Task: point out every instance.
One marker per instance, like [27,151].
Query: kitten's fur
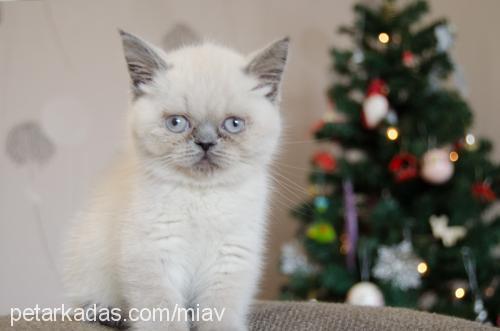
[166,228]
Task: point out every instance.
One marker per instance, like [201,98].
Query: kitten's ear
[143,61]
[268,66]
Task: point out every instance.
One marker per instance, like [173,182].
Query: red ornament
[404,167]
[377,86]
[325,161]
[483,192]
[408,59]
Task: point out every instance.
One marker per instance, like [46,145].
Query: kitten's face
[205,112]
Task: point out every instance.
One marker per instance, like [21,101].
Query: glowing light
[383,38]
[453,156]
[470,139]
[422,268]
[392,133]
[459,293]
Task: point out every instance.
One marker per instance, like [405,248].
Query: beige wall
[61,64]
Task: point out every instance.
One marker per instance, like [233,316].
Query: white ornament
[375,109]
[399,265]
[444,38]
[437,167]
[292,260]
[365,294]
[448,234]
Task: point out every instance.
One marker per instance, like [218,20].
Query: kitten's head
[204,113]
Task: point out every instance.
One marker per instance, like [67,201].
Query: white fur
[161,232]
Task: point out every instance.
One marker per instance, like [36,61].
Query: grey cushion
[310,316]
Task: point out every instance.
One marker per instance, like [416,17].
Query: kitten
[181,221]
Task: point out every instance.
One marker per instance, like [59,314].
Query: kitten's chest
[200,220]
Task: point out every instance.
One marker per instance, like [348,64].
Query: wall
[61,66]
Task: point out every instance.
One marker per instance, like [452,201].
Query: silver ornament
[398,265]
[293,260]
[365,294]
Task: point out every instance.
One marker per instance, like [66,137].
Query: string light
[383,38]
[459,293]
[453,156]
[422,268]
[392,133]
[470,139]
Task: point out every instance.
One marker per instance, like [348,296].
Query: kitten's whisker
[276,163]
[287,189]
[293,184]
[308,141]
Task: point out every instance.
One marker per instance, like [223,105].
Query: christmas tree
[401,190]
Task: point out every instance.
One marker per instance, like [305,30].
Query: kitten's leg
[148,286]
[232,285]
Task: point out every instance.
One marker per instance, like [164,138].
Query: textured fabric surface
[306,316]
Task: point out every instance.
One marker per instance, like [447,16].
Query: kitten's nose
[205,145]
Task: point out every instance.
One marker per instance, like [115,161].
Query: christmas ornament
[353,155]
[321,232]
[403,166]
[293,260]
[427,300]
[398,265]
[483,192]
[392,117]
[376,105]
[470,268]
[448,234]
[358,57]
[351,223]
[436,166]
[377,86]
[375,108]
[365,294]
[325,161]
[444,38]
[321,203]
[408,59]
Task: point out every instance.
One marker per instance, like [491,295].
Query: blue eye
[233,124]
[177,123]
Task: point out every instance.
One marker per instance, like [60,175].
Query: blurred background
[63,83]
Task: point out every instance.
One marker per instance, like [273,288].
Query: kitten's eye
[177,123]
[234,124]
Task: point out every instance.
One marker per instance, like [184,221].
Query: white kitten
[181,220]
